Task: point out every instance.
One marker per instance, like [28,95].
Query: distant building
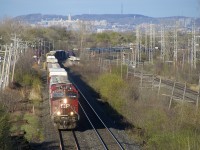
[73,24]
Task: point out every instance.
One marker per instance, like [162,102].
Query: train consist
[63,96]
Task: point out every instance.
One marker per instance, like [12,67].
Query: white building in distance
[73,24]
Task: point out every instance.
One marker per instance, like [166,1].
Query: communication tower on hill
[69,17]
[122,8]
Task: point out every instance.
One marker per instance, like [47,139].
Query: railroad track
[180,91]
[68,140]
[178,85]
[106,138]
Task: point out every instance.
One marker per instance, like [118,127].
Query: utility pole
[146,40]
[193,49]
[2,80]
[162,52]
[175,45]
[154,37]
[8,67]
[138,53]
[15,55]
[189,51]
[151,44]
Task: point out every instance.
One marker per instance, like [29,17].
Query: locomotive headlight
[65,101]
[58,113]
[71,113]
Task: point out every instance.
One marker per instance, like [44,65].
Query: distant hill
[117,18]
[34,18]
[111,18]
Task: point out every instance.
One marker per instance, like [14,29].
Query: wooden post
[99,64]
[127,67]
[152,82]
[141,78]
[159,86]
[110,66]
[117,60]
[121,65]
[197,102]
[33,109]
[188,143]
[170,103]
[184,92]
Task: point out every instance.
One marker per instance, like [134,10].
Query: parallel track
[190,95]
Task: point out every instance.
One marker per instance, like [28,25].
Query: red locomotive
[63,99]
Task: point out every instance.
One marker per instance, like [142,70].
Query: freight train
[63,96]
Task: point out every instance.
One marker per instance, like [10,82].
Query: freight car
[63,97]
[61,56]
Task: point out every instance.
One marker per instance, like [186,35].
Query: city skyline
[153,8]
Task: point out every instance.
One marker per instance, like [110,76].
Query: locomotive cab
[65,108]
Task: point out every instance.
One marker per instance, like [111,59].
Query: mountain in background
[132,19]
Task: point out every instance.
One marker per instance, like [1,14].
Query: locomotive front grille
[64,111]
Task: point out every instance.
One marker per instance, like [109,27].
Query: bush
[109,86]
[4,129]
[33,130]
[37,84]
[27,80]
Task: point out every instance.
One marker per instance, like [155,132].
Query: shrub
[36,85]
[27,80]
[109,86]
[33,130]
[4,129]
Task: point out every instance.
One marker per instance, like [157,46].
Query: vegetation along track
[104,134]
[68,140]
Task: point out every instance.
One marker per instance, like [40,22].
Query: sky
[151,8]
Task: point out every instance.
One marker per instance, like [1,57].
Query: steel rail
[98,135]
[62,142]
[99,118]
[76,140]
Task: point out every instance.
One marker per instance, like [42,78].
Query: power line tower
[154,37]
[193,49]
[146,40]
[3,70]
[11,55]
[162,52]
[15,53]
[151,44]
[122,9]
[175,45]
[189,51]
[138,52]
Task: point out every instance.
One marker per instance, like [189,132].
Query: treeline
[61,37]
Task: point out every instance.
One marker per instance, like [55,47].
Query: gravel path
[51,136]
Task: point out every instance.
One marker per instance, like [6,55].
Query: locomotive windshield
[72,95]
[58,94]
